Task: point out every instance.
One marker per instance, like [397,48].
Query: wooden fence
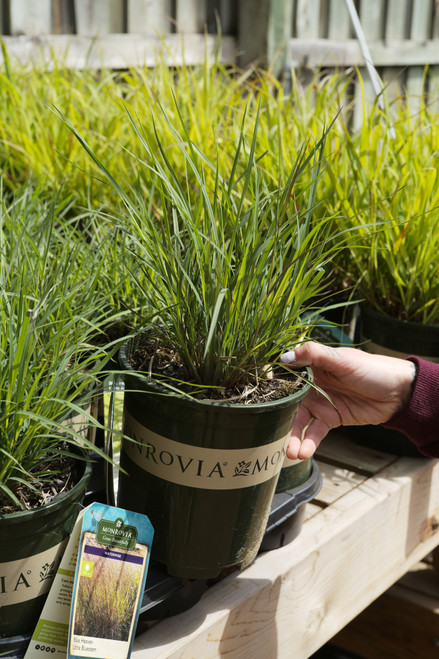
[402,35]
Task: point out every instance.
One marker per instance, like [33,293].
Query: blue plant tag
[111,569]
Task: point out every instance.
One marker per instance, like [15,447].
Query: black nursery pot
[399,338]
[31,547]
[205,473]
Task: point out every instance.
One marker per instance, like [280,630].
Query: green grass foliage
[205,201]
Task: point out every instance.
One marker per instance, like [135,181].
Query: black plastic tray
[166,596]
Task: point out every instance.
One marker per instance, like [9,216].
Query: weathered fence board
[420,30]
[96,17]
[30,17]
[308,19]
[190,16]
[339,24]
[402,35]
[149,17]
[117,51]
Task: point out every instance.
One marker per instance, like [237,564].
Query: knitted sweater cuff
[419,419]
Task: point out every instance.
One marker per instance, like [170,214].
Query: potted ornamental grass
[384,185]
[48,380]
[386,180]
[228,267]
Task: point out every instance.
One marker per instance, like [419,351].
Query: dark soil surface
[164,363]
[63,476]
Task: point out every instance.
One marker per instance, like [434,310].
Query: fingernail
[288,357]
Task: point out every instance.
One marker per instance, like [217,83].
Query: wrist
[407,382]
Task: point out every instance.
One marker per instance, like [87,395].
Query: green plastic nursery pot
[31,547]
[398,338]
[204,473]
[293,474]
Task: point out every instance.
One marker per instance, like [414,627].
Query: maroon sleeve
[419,419]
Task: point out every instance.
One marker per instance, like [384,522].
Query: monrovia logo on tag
[109,582]
[116,534]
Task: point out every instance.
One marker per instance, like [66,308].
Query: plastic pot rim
[150,386]
[57,502]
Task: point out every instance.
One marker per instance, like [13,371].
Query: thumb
[309,354]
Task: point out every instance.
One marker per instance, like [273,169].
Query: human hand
[363,388]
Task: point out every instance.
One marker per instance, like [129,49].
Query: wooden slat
[311,509]
[372,19]
[279,34]
[31,18]
[420,30]
[323,52]
[337,481]
[190,16]
[433,87]
[339,23]
[149,17]
[395,30]
[97,17]
[294,599]
[308,23]
[117,51]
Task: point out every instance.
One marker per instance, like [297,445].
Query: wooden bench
[376,516]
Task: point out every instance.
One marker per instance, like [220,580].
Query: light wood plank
[311,509]
[337,481]
[149,17]
[308,23]
[326,52]
[339,23]
[421,23]
[31,18]
[279,34]
[396,19]
[294,599]
[420,30]
[190,16]
[96,17]
[395,30]
[372,19]
[433,85]
[117,51]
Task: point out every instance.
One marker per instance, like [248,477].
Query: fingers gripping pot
[204,472]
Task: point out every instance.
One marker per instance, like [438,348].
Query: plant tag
[52,631]
[114,531]
[110,578]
